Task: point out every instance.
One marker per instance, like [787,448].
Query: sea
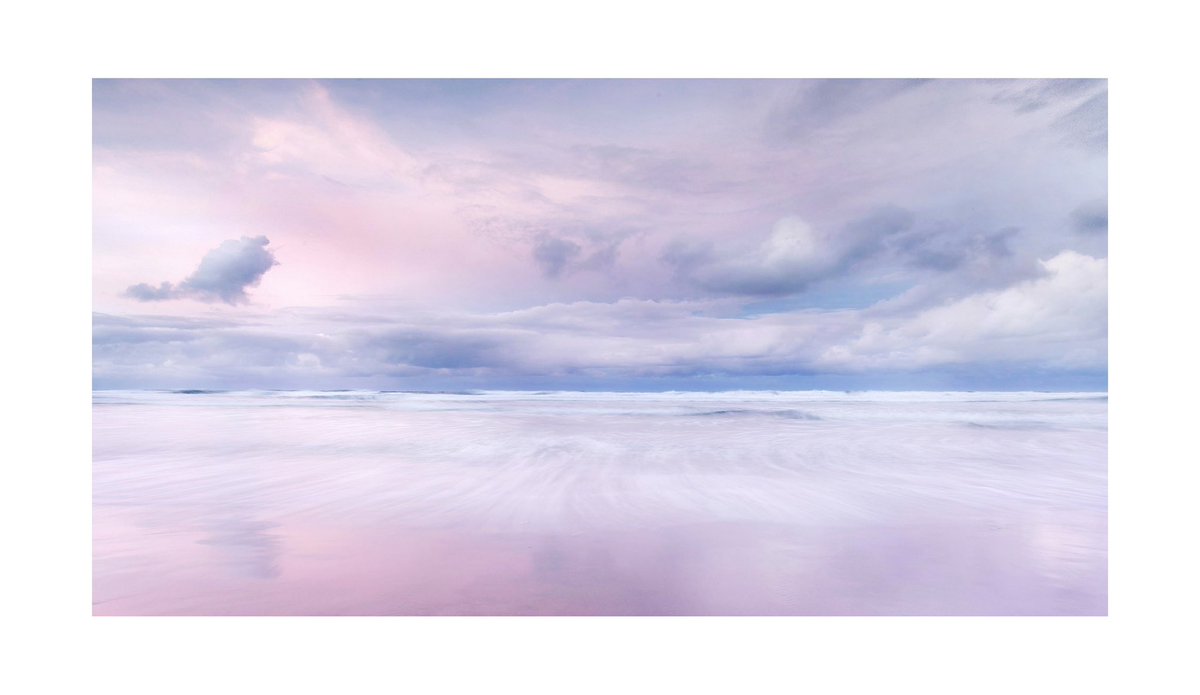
[507,503]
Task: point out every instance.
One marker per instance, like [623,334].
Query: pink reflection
[305,569]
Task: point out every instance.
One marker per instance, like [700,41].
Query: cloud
[823,102]
[1040,94]
[1091,217]
[446,180]
[553,253]
[1059,319]
[530,198]
[945,248]
[795,255]
[1087,124]
[147,293]
[175,352]
[223,274]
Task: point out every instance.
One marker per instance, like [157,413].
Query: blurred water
[514,503]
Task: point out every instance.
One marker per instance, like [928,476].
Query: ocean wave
[737,412]
[1012,411]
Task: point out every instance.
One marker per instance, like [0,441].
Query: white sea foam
[549,459]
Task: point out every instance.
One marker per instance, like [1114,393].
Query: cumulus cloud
[222,276]
[1059,319]
[792,257]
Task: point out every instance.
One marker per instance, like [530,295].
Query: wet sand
[1034,569]
[246,510]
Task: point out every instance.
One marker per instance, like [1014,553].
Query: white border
[54,51]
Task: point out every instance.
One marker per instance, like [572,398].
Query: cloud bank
[1056,321]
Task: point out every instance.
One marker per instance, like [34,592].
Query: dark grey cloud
[1091,217]
[862,237]
[433,349]
[149,293]
[791,259]
[755,281]
[920,259]
[553,253]
[573,248]
[947,247]
[683,255]
[602,258]
[223,274]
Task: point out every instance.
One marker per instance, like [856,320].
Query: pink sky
[819,225]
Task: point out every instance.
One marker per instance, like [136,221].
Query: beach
[572,503]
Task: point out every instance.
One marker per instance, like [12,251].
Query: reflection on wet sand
[714,569]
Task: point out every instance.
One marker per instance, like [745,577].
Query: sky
[600,234]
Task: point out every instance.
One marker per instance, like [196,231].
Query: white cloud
[1059,319]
